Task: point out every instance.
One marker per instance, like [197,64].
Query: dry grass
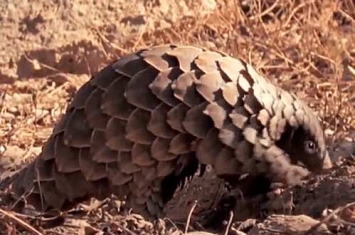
[304,46]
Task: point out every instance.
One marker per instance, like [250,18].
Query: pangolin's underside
[148,121]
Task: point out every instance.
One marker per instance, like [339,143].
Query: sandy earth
[50,48]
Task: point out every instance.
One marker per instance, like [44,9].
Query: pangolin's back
[146,122]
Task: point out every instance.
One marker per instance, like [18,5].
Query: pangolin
[148,121]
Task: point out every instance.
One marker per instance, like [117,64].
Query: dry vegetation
[49,49]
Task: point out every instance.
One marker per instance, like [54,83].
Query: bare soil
[48,49]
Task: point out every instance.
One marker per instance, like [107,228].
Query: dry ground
[49,48]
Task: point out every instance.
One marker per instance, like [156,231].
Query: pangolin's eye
[310,147]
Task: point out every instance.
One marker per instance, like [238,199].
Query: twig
[267,11]
[189,217]
[172,223]
[140,37]
[327,218]
[42,64]
[229,222]
[113,45]
[126,229]
[294,11]
[21,222]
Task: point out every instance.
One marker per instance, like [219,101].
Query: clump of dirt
[49,49]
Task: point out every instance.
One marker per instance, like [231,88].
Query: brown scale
[114,102]
[158,122]
[161,86]
[145,124]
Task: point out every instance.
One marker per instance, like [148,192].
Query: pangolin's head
[304,141]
